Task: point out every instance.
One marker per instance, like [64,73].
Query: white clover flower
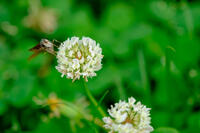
[78,58]
[128,117]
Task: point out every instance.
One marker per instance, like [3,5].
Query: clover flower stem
[92,99]
[95,121]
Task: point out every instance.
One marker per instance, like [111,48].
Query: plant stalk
[92,99]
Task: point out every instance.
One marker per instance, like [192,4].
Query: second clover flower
[128,117]
[79,57]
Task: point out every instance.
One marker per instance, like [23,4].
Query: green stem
[92,99]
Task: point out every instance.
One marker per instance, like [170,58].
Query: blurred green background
[151,52]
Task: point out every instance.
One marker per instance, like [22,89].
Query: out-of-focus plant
[75,111]
[40,18]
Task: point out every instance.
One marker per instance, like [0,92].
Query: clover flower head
[57,107]
[52,101]
[128,117]
[79,57]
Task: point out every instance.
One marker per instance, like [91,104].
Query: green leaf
[116,11]
[22,91]
[165,130]
[3,107]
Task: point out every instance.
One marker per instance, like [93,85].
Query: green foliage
[151,52]
[165,130]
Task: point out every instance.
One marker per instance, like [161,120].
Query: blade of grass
[102,98]
[120,88]
[143,73]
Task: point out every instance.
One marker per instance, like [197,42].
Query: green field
[151,51]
